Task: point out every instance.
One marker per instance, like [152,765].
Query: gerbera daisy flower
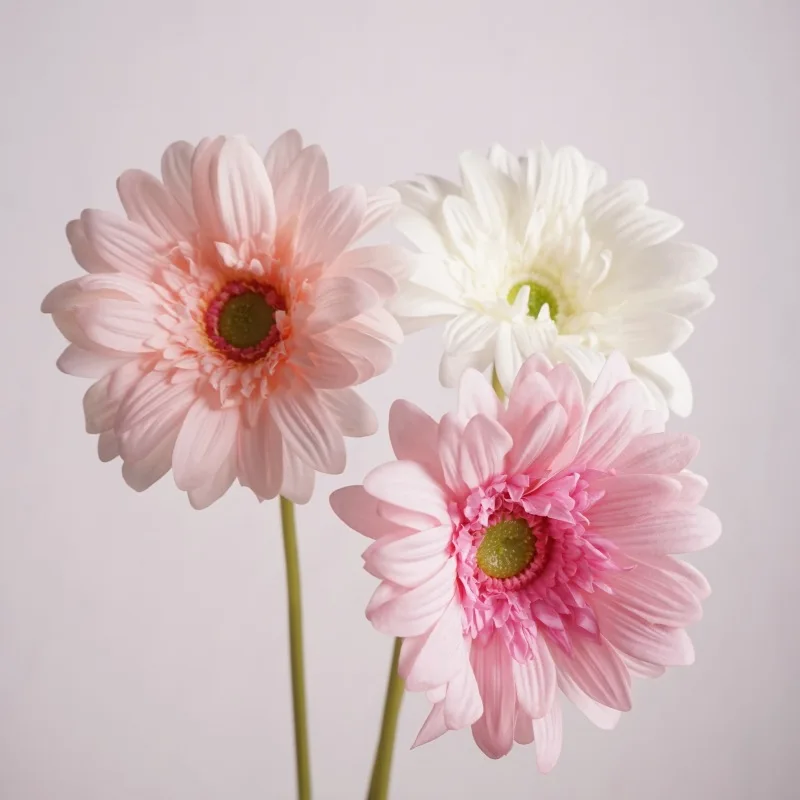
[540,255]
[226,320]
[526,552]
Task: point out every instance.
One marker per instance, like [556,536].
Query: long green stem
[497,386]
[382,770]
[296,650]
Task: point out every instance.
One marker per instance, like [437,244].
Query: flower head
[528,548]
[540,255]
[226,320]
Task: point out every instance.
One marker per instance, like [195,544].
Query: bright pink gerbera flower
[528,547]
[226,319]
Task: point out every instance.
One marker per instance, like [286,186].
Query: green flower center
[538,297]
[245,320]
[507,549]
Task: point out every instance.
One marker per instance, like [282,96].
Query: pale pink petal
[530,393]
[203,444]
[107,446]
[352,414]
[330,225]
[693,487]
[203,198]
[84,253]
[596,669]
[261,456]
[307,428]
[462,704]
[433,727]
[388,259]
[448,444]
[494,731]
[414,436]
[303,184]
[359,510]
[628,498]
[282,154]
[441,655]
[298,478]
[86,364]
[414,611]
[675,531]
[242,192]
[325,367]
[203,496]
[476,396]
[143,473]
[176,172]
[548,734]
[370,356]
[658,452]
[535,681]
[408,485]
[101,402]
[147,202]
[602,716]
[682,571]
[338,300]
[536,442]
[482,450]
[409,559]
[523,729]
[641,638]
[642,669]
[126,246]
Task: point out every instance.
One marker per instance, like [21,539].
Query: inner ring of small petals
[240,320]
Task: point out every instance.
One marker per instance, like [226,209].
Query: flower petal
[302,185]
[261,456]
[359,510]
[298,477]
[406,484]
[482,450]
[330,225]
[147,202]
[176,172]
[494,731]
[282,154]
[535,681]
[338,300]
[548,735]
[414,436]
[660,453]
[409,559]
[353,416]
[83,252]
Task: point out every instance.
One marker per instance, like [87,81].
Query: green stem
[381,771]
[498,389]
[296,650]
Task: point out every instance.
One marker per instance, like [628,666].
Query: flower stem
[296,650]
[382,769]
[497,386]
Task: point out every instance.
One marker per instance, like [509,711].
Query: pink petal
[204,442]
[433,727]
[494,731]
[658,452]
[640,638]
[414,435]
[462,704]
[482,450]
[298,478]
[535,681]
[359,510]
[86,364]
[597,670]
[176,172]
[602,716]
[261,456]
[409,559]
[282,154]
[536,442]
[203,196]
[548,734]
[126,246]
[328,368]
[148,203]
[406,484]
[628,498]
[441,655]
[83,252]
[102,401]
[415,611]
[143,473]
[476,396]
[330,225]
[242,192]
[107,446]
[523,729]
[380,207]
[338,300]
[388,259]
[302,185]
[308,429]
[449,443]
[676,531]
[203,496]
[370,356]
[352,415]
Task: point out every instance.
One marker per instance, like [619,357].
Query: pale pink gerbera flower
[528,547]
[227,321]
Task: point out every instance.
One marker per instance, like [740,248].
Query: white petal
[487,189]
[668,374]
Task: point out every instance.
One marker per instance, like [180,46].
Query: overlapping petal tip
[227,316]
[540,254]
[583,502]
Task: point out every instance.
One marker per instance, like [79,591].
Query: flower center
[507,549]
[240,321]
[538,297]
[246,319]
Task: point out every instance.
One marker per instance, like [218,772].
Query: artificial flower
[226,321]
[526,552]
[540,254]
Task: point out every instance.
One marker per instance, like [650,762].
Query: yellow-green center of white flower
[507,549]
[246,319]
[539,296]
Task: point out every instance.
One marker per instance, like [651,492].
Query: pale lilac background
[142,645]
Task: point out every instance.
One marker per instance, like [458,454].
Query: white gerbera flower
[540,254]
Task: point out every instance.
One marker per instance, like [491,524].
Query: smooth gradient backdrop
[143,644]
